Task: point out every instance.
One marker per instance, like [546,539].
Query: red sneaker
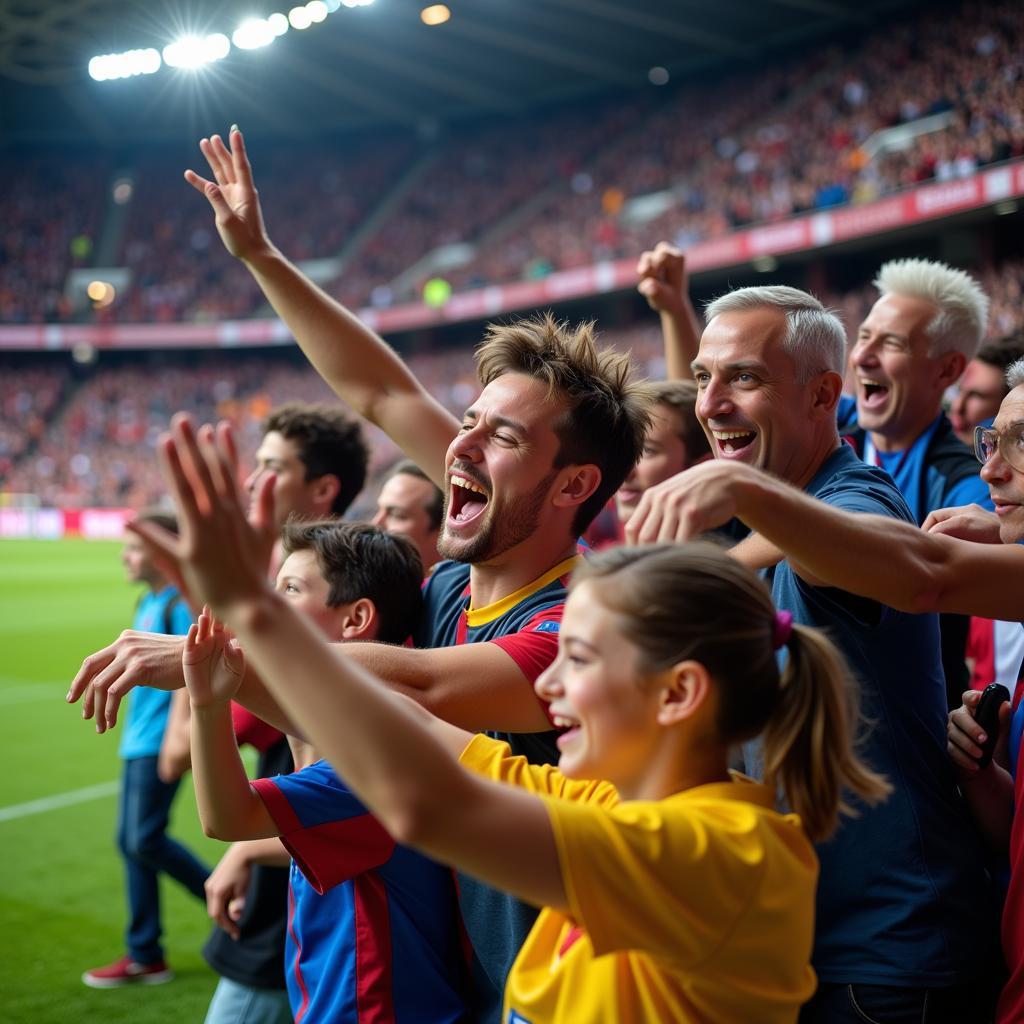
[127,971]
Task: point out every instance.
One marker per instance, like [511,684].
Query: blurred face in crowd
[500,471]
[293,493]
[1006,481]
[137,566]
[899,385]
[977,399]
[664,455]
[403,508]
[749,401]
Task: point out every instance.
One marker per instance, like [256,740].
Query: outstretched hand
[219,557]
[213,664]
[232,195]
[690,503]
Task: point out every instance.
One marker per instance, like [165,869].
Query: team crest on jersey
[516,1018]
[547,626]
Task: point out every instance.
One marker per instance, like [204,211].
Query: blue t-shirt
[911,469]
[148,708]
[525,626]
[902,895]
[373,928]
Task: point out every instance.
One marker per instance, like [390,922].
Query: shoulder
[447,581]
[847,482]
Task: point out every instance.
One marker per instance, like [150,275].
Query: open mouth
[468,500]
[732,442]
[568,729]
[872,394]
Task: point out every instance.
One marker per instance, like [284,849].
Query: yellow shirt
[698,907]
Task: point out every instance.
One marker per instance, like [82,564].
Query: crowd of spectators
[87,439]
[51,210]
[553,191]
[180,270]
[803,149]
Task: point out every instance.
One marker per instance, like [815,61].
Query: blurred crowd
[553,192]
[86,439]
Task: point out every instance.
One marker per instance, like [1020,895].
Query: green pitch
[61,888]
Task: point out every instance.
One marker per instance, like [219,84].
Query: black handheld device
[986,714]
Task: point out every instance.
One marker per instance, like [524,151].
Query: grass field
[61,889]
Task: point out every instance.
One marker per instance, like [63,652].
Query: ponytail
[809,738]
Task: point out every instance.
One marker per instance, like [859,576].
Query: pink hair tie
[782,630]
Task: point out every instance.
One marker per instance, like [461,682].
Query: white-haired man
[915,343]
[901,917]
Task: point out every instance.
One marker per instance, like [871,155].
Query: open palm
[212,663]
[232,195]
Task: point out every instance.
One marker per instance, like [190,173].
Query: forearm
[361,368]
[476,687]
[228,807]
[175,758]
[681,331]
[875,556]
[989,794]
[269,852]
[255,697]
[886,559]
[379,745]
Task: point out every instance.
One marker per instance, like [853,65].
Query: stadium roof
[377,65]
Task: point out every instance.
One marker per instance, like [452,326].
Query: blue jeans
[887,1004]
[143,811]
[242,1004]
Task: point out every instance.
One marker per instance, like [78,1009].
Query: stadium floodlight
[254,33]
[299,18]
[108,66]
[191,52]
[317,10]
[435,14]
[278,24]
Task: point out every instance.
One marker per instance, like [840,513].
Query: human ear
[952,368]
[827,389]
[360,620]
[576,484]
[325,489]
[684,692]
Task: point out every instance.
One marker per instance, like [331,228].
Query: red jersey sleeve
[252,730]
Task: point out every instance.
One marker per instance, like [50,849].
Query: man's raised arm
[361,367]
[665,286]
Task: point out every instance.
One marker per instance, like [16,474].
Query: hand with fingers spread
[232,195]
[219,555]
[212,663]
[663,278]
[970,522]
[690,503]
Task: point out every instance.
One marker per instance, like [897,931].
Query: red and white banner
[809,231]
[55,523]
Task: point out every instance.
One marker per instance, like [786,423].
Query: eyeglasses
[1009,443]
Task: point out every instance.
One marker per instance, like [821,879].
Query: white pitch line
[58,800]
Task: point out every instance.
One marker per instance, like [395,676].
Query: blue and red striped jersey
[373,927]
